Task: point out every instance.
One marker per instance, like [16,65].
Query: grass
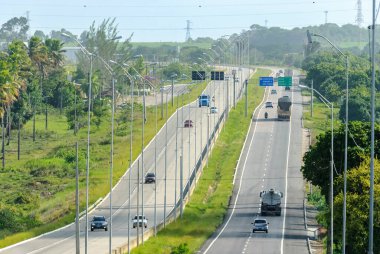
[52,191]
[209,202]
[321,120]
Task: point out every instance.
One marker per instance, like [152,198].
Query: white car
[213,110]
[260,225]
[141,220]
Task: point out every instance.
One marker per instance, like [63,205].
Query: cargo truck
[284,108]
[271,202]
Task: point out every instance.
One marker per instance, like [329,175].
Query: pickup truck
[141,220]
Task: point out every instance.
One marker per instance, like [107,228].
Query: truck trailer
[284,108]
[271,202]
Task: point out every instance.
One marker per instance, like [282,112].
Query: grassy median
[209,202]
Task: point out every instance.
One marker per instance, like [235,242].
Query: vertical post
[181,185]
[228,101]
[332,182]
[155,165]
[34,122]
[189,178]
[166,158]
[111,161]
[246,98]
[130,165]
[172,91]
[88,150]
[345,166]
[2,141]
[142,165]
[18,139]
[234,91]
[138,204]
[77,233]
[208,137]
[373,118]
[162,102]
[312,99]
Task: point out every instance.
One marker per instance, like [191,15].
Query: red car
[188,124]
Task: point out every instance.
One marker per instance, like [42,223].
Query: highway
[172,141]
[271,158]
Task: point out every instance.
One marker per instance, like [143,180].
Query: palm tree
[55,52]
[38,54]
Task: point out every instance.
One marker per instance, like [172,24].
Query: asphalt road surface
[162,156]
[271,158]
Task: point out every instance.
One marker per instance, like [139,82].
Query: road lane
[63,240]
[272,159]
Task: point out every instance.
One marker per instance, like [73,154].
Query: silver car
[260,225]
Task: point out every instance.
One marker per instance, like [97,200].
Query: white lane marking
[286,182]
[244,167]
[249,129]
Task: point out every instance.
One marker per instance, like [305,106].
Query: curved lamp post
[309,35]
[330,105]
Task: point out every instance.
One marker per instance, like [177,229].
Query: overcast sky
[165,20]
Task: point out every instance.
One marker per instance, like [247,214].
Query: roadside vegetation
[327,72]
[209,202]
[38,109]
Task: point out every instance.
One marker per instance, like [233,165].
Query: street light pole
[373,118]
[327,103]
[345,139]
[91,56]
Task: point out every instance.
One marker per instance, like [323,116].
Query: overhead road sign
[266,81]
[217,75]
[285,81]
[198,75]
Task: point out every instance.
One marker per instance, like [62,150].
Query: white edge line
[237,195]
[249,129]
[286,181]
[121,178]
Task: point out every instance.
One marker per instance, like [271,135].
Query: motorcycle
[266,115]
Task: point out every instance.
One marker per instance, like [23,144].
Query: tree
[358,109]
[316,166]
[15,28]
[358,206]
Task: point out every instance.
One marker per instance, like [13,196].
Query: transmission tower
[326,12]
[188,28]
[359,15]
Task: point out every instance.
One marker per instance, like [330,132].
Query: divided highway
[172,141]
[271,158]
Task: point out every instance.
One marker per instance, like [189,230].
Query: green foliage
[358,109]
[49,167]
[357,208]
[316,166]
[14,29]
[180,249]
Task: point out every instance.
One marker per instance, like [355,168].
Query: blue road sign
[266,81]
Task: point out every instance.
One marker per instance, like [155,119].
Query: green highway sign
[285,81]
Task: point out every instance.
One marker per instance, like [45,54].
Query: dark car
[99,222]
[287,88]
[188,124]
[260,225]
[150,178]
